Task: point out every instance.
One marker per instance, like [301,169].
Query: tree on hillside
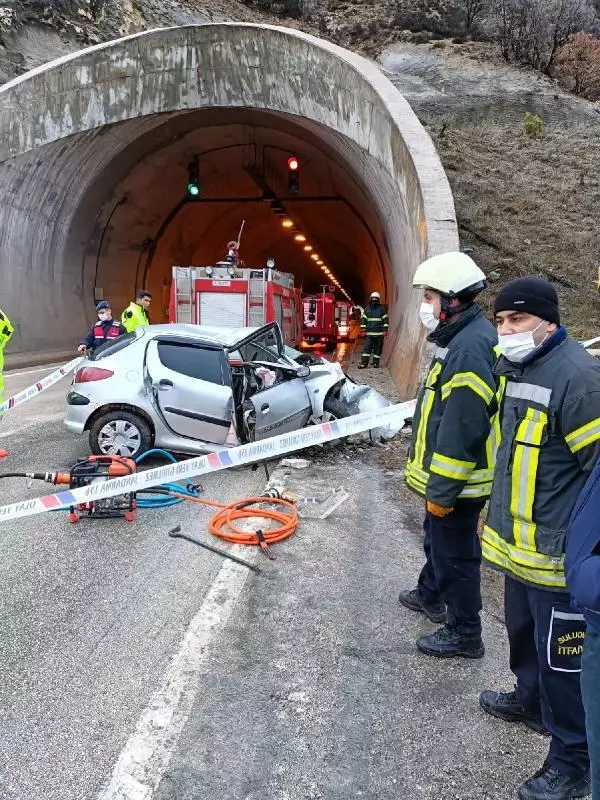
[532,31]
[473,11]
[579,65]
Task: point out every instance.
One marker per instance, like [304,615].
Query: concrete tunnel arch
[93,155]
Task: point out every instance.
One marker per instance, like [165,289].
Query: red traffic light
[293,163]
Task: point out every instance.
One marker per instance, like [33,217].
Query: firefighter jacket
[452,451]
[101,332]
[374,320]
[550,440]
[6,331]
[134,316]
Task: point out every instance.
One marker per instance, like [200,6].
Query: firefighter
[550,440]
[136,313]
[451,455]
[6,331]
[375,324]
[105,329]
[582,564]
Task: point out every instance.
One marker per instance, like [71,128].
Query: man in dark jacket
[451,456]
[374,323]
[550,440]
[105,329]
[582,565]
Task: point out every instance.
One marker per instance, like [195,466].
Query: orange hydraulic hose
[222,523]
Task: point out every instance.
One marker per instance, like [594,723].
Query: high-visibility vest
[134,316]
[6,331]
[112,332]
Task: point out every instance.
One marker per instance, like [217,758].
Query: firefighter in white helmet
[451,456]
[374,323]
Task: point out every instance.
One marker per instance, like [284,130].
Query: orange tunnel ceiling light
[300,237]
[307,248]
[287,223]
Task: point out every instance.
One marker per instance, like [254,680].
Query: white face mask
[103,316]
[517,346]
[427,317]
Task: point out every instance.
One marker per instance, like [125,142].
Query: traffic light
[293,175]
[193,186]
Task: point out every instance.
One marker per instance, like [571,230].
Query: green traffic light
[193,189]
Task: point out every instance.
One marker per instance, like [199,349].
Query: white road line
[37,420]
[146,755]
[51,368]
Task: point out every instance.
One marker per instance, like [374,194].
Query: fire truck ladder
[256,298]
[184,295]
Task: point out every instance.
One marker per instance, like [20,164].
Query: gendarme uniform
[550,440]
[134,316]
[6,331]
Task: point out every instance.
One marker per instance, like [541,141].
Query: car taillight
[88,374]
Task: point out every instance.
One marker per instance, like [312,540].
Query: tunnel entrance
[149,222]
[94,154]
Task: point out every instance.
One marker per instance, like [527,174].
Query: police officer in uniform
[550,440]
[6,331]
[451,455]
[105,329]
[136,313]
[375,324]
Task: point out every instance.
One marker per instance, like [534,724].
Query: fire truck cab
[229,294]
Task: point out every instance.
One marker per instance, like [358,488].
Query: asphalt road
[135,667]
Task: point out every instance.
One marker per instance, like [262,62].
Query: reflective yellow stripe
[481,475]
[524,472]
[583,436]
[414,481]
[451,467]
[468,380]
[425,411]
[532,567]
[477,490]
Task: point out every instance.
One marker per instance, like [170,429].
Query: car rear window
[113,346]
[195,362]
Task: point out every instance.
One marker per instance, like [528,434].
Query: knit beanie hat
[532,295]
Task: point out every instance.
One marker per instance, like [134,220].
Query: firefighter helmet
[376,294]
[450,274]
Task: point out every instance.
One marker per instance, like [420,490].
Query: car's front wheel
[120,433]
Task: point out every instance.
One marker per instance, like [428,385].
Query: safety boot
[435,612]
[446,642]
[505,705]
[550,784]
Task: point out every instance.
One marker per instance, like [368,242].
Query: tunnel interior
[142,221]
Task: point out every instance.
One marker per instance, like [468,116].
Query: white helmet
[376,294]
[450,274]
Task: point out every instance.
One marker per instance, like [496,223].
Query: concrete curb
[22,360]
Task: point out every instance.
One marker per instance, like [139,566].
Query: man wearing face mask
[105,329]
[550,440]
[450,460]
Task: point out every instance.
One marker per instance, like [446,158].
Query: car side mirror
[303,371]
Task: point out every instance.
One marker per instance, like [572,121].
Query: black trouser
[452,571]
[374,346]
[545,635]
[590,684]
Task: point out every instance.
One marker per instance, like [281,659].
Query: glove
[82,348]
[438,511]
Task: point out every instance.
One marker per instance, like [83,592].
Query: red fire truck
[320,328]
[343,315]
[232,295]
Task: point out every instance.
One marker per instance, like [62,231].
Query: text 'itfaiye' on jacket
[455,424]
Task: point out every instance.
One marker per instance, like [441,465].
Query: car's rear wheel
[120,433]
